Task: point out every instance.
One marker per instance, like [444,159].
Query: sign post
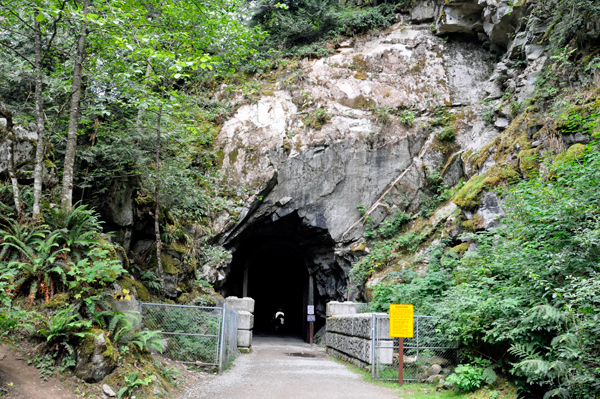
[310,317]
[401,326]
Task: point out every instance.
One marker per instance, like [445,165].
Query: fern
[489,376]
[533,368]
[547,313]
[149,339]
[524,351]
[558,393]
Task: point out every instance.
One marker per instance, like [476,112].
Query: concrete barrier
[245,309]
[350,334]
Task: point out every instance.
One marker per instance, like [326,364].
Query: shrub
[446,134]
[467,378]
[317,118]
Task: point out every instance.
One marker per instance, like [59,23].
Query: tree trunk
[139,120]
[157,210]
[66,201]
[39,113]
[10,134]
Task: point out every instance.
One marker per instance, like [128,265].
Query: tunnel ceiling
[308,247]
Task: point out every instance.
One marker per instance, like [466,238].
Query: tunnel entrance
[285,265]
[278,282]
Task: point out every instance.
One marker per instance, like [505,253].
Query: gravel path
[287,368]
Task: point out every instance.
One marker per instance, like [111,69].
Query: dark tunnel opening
[277,262]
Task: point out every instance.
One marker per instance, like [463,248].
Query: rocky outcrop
[24,156]
[392,112]
[97,358]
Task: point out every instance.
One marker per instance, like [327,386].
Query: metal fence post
[417,337]
[221,346]
[373,343]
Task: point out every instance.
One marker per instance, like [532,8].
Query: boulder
[108,391]
[501,18]
[24,155]
[97,357]
[460,17]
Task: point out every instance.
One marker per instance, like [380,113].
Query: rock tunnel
[285,265]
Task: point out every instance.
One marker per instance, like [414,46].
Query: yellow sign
[401,321]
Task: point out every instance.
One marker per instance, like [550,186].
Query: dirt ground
[18,380]
[278,368]
[286,368]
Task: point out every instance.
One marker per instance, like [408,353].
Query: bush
[467,378]
[527,296]
[300,23]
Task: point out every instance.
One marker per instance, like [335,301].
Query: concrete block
[332,324]
[244,338]
[385,352]
[362,324]
[383,329]
[240,304]
[355,347]
[246,320]
[338,308]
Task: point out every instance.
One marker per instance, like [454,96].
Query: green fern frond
[524,351]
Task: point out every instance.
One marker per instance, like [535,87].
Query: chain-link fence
[195,334]
[428,356]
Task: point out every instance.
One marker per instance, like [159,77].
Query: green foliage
[42,267]
[298,27]
[381,254]
[77,228]
[487,115]
[12,319]
[407,117]
[169,373]
[390,227]
[382,115]
[446,134]
[177,320]
[317,118]
[422,292]
[125,336]
[468,378]
[46,364]
[133,382]
[62,327]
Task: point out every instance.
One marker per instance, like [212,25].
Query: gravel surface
[286,368]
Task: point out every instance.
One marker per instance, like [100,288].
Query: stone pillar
[245,308]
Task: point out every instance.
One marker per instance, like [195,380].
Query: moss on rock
[58,301]
[137,288]
[576,151]
[528,163]
[461,248]
[470,194]
[170,264]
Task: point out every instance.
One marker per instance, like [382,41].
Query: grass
[413,391]
[501,390]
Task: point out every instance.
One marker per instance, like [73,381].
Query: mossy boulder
[96,358]
[58,301]
[136,288]
[145,365]
[470,194]
[576,151]
[528,163]
[170,265]
[198,297]
[461,248]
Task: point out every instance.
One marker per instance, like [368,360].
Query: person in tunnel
[278,320]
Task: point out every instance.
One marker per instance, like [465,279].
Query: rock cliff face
[24,156]
[357,136]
